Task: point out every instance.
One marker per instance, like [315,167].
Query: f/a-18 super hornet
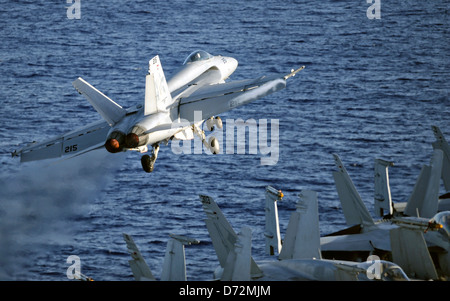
[173,109]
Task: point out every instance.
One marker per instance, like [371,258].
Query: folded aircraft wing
[72,143]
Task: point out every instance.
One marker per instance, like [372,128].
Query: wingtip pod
[278,194]
[294,72]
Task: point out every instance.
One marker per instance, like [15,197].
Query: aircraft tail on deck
[174,266]
[139,267]
[425,195]
[272,227]
[410,251]
[382,196]
[157,95]
[223,236]
[239,259]
[302,240]
[355,211]
[443,145]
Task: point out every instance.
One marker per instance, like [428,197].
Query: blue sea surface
[372,88]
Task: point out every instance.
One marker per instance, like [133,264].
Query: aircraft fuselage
[132,132]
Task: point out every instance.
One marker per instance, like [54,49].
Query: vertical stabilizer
[382,195]
[410,252]
[425,196]
[272,231]
[174,266]
[238,264]
[302,239]
[139,267]
[157,95]
[355,211]
[222,234]
[443,145]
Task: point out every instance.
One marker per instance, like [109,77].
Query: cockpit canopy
[383,270]
[198,55]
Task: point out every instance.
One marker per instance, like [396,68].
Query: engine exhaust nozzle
[112,145]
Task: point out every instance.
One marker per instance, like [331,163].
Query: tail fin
[174,266]
[239,260]
[222,234]
[105,106]
[272,232]
[302,239]
[355,211]
[157,95]
[425,195]
[382,195]
[443,145]
[139,267]
[410,252]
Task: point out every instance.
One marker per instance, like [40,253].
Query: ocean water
[371,88]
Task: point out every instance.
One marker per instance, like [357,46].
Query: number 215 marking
[71,148]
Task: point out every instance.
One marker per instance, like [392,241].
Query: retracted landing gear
[148,162]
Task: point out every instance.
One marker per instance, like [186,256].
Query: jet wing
[72,143]
[215,99]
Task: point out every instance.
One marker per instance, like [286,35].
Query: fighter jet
[174,109]
[424,199]
[300,255]
[429,240]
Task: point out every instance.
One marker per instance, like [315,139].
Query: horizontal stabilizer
[106,107]
[355,211]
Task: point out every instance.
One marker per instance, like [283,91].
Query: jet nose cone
[229,67]
[233,64]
